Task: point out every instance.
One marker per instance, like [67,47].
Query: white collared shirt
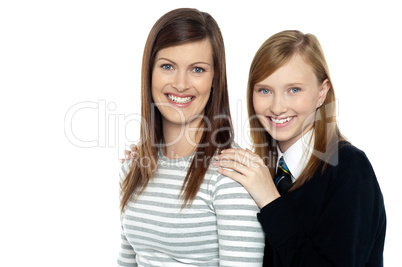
[298,154]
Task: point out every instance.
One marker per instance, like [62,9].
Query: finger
[251,155]
[250,151]
[254,158]
[245,153]
[122,161]
[231,174]
[233,166]
[241,157]
[127,154]
[134,148]
[236,157]
[228,156]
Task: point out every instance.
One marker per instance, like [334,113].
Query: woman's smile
[280,122]
[286,101]
[181,81]
[180,100]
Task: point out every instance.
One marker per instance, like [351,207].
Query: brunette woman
[176,209]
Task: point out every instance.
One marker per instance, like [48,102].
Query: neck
[284,145]
[180,139]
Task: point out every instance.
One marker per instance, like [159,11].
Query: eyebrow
[194,63]
[286,85]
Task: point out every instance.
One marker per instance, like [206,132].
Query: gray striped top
[220,228]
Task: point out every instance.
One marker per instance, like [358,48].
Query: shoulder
[213,174]
[353,180]
[350,167]
[212,171]
[228,189]
[232,195]
[349,156]
[221,185]
[347,151]
[345,154]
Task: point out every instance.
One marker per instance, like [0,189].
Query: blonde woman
[320,201]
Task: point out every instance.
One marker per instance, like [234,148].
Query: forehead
[296,70]
[198,50]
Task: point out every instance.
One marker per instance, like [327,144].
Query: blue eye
[264,91]
[198,70]
[167,67]
[294,90]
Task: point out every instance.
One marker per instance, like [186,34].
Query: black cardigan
[335,219]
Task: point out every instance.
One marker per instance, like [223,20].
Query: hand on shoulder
[249,170]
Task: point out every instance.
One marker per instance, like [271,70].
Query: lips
[280,122]
[180,100]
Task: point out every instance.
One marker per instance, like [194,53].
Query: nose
[181,81]
[278,105]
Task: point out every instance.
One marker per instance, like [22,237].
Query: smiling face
[181,81]
[286,101]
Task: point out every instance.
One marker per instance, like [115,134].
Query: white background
[59,200]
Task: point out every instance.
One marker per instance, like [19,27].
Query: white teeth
[281,120]
[180,100]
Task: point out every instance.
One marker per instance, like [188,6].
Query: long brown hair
[178,27]
[273,54]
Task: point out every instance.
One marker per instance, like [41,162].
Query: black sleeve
[350,226]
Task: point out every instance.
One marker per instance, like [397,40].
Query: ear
[325,86]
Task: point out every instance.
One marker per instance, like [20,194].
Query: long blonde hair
[273,54]
[180,26]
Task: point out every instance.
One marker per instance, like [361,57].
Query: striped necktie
[283,180]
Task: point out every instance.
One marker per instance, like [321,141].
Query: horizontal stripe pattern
[220,228]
